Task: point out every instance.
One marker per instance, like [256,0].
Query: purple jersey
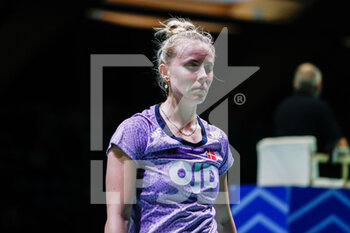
[180,179]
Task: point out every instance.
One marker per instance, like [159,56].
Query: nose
[202,75]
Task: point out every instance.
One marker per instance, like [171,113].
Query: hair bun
[175,26]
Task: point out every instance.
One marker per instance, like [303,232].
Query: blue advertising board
[292,210]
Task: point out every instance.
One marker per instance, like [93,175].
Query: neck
[180,112]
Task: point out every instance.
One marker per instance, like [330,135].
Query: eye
[208,67]
[192,66]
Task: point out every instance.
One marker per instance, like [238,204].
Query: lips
[200,89]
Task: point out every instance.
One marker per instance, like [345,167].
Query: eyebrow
[198,60]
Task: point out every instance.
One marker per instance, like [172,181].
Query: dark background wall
[45,96]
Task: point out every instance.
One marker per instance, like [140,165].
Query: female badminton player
[181,160]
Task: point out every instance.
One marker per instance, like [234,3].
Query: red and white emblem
[211,155]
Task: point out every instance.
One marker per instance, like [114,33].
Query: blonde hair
[170,35]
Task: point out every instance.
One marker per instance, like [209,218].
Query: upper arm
[120,183]
[223,211]
[226,154]
[223,183]
[223,196]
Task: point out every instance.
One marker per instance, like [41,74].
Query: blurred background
[45,53]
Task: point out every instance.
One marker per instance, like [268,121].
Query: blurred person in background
[304,113]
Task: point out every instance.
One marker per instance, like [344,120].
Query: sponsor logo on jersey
[156,133]
[215,134]
[182,173]
[192,178]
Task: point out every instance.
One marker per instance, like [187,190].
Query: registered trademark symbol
[239,99]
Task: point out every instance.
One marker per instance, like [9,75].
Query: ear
[163,70]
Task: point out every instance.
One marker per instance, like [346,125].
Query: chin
[195,98]
[199,99]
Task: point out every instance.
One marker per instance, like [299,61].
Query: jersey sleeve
[131,137]
[227,155]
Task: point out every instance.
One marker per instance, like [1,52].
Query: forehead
[193,49]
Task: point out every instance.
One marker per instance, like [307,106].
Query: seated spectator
[303,113]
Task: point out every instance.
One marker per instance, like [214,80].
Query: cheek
[182,82]
[186,78]
[210,78]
